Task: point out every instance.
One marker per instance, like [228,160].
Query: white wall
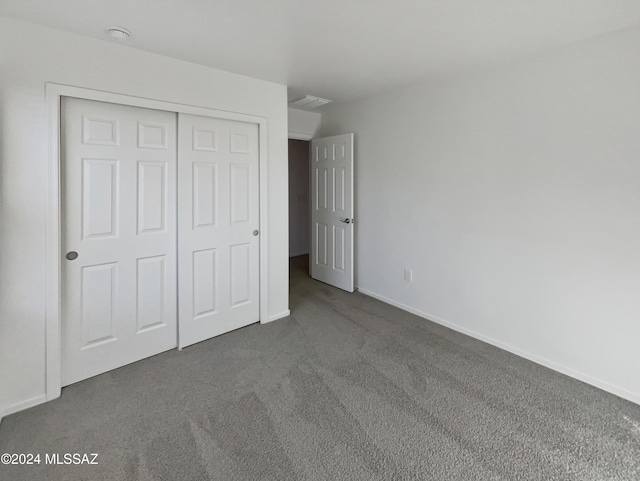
[31,56]
[303,124]
[514,195]
[298,197]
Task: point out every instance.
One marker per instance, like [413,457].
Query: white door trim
[53,261]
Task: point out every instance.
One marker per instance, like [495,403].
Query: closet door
[119,236]
[218,228]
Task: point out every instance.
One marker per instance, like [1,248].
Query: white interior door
[218,226]
[119,236]
[331,256]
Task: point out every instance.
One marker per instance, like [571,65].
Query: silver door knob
[256,232]
[72,256]
[346,221]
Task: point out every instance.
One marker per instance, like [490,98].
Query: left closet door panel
[118,211]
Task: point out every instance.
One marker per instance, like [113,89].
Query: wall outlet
[408,275]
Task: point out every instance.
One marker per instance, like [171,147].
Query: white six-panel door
[218,226]
[331,255]
[152,200]
[119,236]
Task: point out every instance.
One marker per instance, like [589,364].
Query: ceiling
[337,49]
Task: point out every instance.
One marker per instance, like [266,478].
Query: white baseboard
[22,405]
[34,401]
[275,317]
[605,386]
[296,254]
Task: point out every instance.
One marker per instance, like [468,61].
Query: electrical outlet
[408,275]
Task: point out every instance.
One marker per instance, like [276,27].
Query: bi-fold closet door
[150,198]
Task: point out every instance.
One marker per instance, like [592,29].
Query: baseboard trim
[275,317]
[22,405]
[605,386]
[34,401]
[296,254]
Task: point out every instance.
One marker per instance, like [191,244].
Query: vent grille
[310,102]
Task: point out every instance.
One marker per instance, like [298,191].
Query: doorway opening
[299,195]
[321,208]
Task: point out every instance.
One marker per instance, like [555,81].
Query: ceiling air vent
[310,102]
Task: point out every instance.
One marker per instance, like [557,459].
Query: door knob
[346,221]
[256,232]
[72,256]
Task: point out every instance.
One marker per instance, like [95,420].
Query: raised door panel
[99,198]
[205,194]
[151,292]
[99,298]
[321,243]
[339,179]
[240,193]
[240,274]
[152,196]
[96,131]
[321,194]
[152,135]
[205,140]
[239,143]
[204,282]
[339,247]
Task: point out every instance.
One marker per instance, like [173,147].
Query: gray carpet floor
[345,388]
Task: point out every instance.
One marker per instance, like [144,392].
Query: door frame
[53,240]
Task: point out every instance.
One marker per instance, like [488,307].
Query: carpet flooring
[345,388]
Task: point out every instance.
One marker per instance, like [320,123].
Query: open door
[331,256]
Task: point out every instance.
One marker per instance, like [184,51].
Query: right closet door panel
[218,227]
